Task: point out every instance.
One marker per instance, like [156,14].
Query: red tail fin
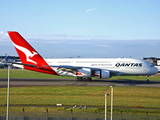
[28,54]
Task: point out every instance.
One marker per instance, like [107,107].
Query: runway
[28,82]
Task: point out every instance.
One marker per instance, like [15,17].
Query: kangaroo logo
[27,53]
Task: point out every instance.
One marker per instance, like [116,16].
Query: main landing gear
[83,79]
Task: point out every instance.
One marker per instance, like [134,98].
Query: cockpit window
[152,65]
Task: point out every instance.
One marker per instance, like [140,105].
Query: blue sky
[86,28]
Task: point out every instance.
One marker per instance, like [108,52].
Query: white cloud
[4,39]
[103,45]
[65,37]
[89,10]
[1,32]
[3,35]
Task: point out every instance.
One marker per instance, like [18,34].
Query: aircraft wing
[72,70]
[77,69]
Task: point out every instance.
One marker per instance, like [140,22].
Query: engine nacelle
[102,74]
[84,72]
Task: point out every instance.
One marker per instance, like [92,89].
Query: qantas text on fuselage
[128,65]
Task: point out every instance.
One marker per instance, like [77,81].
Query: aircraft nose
[155,70]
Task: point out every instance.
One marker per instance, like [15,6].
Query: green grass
[18,73]
[31,74]
[70,95]
[92,96]
[143,78]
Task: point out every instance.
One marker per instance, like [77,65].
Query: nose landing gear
[147,81]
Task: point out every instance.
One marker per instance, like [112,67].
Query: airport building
[155,61]
[11,59]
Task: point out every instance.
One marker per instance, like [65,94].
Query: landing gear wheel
[90,79]
[84,79]
[87,79]
[81,79]
[147,81]
[77,79]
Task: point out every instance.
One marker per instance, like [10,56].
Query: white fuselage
[123,66]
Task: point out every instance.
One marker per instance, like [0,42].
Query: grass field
[92,96]
[31,74]
[70,95]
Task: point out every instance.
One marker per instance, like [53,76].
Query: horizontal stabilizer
[29,65]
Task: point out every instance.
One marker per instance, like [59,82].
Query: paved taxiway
[23,82]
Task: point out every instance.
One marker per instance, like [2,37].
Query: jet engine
[84,72]
[102,74]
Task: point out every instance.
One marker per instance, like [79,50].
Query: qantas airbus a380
[83,69]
